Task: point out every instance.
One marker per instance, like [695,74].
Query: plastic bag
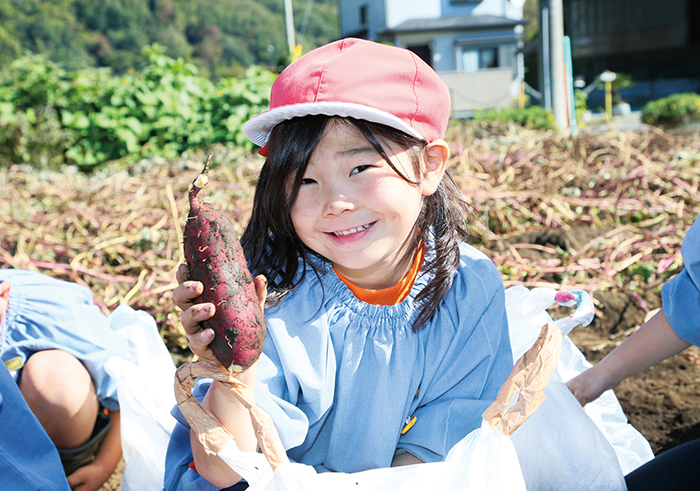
[145,391]
[563,447]
[485,460]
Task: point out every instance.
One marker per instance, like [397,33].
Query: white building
[472,44]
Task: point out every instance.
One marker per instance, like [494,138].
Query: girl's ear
[437,154]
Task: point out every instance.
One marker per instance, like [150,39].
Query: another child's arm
[220,400]
[654,342]
[92,476]
[405,459]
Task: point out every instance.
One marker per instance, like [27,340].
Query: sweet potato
[214,256]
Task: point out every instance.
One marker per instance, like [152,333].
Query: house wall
[499,8]
[390,13]
[398,11]
[445,46]
[483,89]
[350,22]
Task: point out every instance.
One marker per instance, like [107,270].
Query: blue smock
[28,459]
[340,377]
[681,294]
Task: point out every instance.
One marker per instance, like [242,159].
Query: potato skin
[215,257]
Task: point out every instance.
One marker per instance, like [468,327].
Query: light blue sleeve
[470,355]
[681,294]
[178,474]
[296,375]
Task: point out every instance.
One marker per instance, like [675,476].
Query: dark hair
[273,248]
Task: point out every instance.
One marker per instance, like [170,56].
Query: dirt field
[663,402]
[602,211]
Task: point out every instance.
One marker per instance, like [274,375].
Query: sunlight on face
[355,210]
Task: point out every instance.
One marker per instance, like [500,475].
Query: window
[423,51]
[364,14]
[479,59]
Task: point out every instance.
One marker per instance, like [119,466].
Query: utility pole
[546,59]
[554,47]
[289,18]
[561,113]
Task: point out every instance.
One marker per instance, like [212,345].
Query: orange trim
[392,295]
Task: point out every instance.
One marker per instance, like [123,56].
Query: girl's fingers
[181,273]
[199,344]
[185,295]
[191,317]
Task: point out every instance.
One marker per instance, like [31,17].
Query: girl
[387,333]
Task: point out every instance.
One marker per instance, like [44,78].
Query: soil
[663,402]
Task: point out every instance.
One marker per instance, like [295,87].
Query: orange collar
[392,295]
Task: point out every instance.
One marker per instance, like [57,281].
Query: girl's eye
[360,168]
[307,180]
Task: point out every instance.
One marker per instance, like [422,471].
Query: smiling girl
[387,333]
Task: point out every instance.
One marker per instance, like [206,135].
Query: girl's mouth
[351,231]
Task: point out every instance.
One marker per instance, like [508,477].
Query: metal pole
[571,98]
[558,71]
[546,71]
[290,25]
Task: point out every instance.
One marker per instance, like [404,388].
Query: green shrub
[532,117]
[672,111]
[50,116]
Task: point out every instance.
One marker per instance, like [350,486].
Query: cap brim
[259,127]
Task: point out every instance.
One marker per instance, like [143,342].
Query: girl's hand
[185,296]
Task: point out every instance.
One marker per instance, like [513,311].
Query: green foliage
[673,110]
[50,116]
[580,104]
[220,37]
[535,117]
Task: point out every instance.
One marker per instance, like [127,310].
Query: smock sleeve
[47,313]
[296,376]
[468,357]
[681,294]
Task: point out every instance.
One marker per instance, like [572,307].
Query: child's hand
[4,296]
[89,477]
[587,386]
[184,296]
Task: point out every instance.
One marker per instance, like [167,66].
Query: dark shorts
[677,469]
[75,458]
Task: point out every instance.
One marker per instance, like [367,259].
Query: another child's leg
[60,393]
[677,469]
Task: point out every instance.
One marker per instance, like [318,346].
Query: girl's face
[355,210]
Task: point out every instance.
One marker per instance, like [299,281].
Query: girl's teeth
[351,231]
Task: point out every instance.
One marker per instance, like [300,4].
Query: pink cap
[360,79]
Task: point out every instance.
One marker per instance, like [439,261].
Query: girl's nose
[337,202]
